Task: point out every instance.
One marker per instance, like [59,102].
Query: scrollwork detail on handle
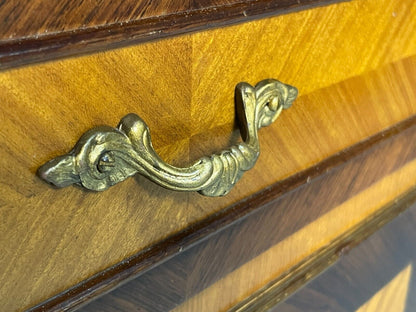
[105,156]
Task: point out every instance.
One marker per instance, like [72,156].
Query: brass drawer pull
[104,156]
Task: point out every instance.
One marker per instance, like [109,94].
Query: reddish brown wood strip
[34,31]
[268,209]
[293,279]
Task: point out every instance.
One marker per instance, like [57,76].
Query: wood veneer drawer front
[183,88]
[258,256]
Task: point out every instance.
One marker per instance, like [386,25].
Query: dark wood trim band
[199,233]
[45,46]
[360,275]
[277,290]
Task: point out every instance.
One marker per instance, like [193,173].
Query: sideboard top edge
[34,43]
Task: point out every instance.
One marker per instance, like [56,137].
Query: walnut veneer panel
[53,239]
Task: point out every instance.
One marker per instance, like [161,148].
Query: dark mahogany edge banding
[44,47]
[130,268]
[363,272]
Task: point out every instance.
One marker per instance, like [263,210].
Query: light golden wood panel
[310,49]
[69,230]
[267,267]
[53,239]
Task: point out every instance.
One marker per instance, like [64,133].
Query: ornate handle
[104,156]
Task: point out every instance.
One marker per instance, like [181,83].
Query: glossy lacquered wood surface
[183,88]
[40,30]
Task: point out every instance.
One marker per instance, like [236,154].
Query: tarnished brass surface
[105,156]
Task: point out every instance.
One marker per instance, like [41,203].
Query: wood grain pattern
[78,242]
[39,30]
[281,232]
[45,108]
[22,19]
[309,251]
[363,272]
